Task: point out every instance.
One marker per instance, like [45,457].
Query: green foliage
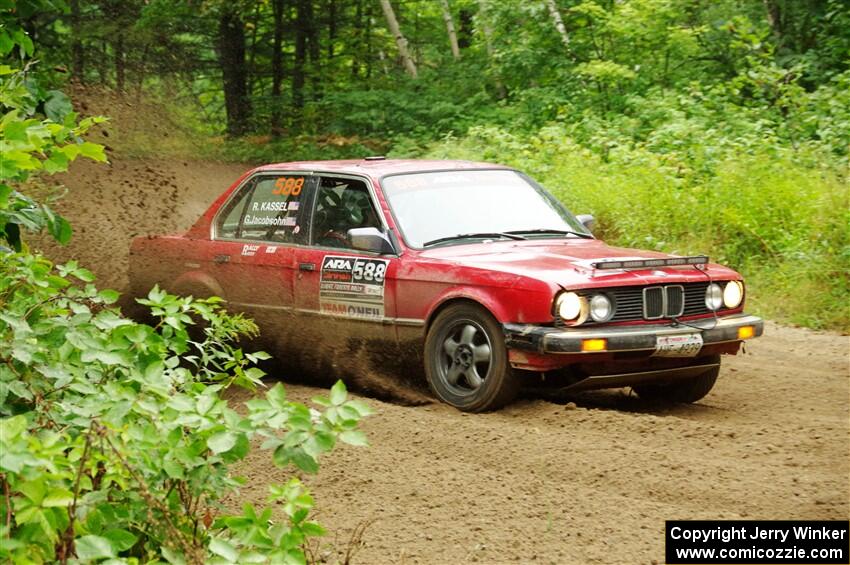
[39,134]
[115,441]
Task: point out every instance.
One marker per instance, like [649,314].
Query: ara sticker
[353,287]
[271,249]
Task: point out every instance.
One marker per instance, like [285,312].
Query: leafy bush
[115,441]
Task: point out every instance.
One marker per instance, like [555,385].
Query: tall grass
[781,217]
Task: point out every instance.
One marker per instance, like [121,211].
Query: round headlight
[733,294]
[713,297]
[601,308]
[569,306]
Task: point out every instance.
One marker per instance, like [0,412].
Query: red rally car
[471,268]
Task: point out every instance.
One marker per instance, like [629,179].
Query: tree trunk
[314,52]
[357,39]
[331,27]
[774,19]
[450,28]
[252,47]
[120,67]
[400,40]
[487,30]
[559,22]
[77,52]
[102,61]
[277,67]
[301,32]
[231,55]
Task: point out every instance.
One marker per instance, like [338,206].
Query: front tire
[685,391]
[466,360]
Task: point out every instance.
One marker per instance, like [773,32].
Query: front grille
[683,299]
[675,300]
[653,303]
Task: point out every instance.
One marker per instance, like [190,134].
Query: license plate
[683,345]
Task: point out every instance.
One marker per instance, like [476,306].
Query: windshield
[474,204]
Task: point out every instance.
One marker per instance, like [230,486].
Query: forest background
[683,125]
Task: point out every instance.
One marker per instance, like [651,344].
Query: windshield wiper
[482,235]
[550,231]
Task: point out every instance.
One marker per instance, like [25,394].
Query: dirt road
[540,481]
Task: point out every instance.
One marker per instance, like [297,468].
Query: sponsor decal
[353,287]
[269,221]
[271,249]
[274,206]
[249,250]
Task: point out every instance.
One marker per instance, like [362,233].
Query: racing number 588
[371,271]
[286,186]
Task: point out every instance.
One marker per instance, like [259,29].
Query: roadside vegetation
[116,444]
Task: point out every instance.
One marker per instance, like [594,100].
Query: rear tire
[466,360]
[684,391]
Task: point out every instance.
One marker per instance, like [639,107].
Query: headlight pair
[729,295]
[575,309]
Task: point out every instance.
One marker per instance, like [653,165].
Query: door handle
[306,266]
[222,259]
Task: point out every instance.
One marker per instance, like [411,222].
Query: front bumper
[544,339]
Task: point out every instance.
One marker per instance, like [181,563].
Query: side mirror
[588,221]
[371,239]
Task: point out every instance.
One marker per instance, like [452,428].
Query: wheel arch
[490,306]
[198,284]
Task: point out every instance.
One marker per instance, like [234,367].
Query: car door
[347,296]
[255,235]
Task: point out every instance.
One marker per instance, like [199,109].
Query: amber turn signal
[594,345]
[746,332]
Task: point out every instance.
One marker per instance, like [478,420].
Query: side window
[268,208]
[341,204]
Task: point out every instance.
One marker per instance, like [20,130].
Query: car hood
[567,262]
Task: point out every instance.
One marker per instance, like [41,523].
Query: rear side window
[268,208]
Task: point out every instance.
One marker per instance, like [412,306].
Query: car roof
[380,167]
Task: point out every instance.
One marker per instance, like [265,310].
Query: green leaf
[312,529]
[121,540]
[34,490]
[56,163]
[59,228]
[58,497]
[11,428]
[93,547]
[361,407]
[57,105]
[277,396]
[354,437]
[109,296]
[224,549]
[221,442]
[338,393]
[173,469]
[93,151]
[304,461]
